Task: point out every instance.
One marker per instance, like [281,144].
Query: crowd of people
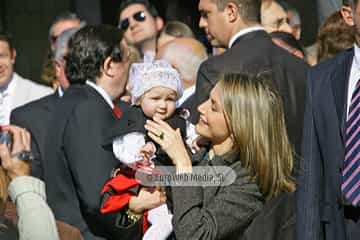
[252,141]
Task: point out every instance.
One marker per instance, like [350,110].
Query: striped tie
[350,186]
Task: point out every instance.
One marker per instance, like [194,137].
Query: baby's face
[159,102]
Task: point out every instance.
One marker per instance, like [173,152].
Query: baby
[155,87]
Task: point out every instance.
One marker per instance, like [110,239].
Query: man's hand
[13,166]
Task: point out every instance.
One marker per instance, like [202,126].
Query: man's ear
[13,55]
[232,11]
[347,14]
[159,22]
[108,67]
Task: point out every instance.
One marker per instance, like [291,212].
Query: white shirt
[6,97]
[354,76]
[18,92]
[186,94]
[60,91]
[102,92]
[243,32]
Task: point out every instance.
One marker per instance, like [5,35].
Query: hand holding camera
[15,151]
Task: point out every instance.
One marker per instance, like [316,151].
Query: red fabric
[145,223]
[120,184]
[117,111]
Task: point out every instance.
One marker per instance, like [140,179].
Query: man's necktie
[350,186]
[117,111]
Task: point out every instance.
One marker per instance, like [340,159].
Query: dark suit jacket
[320,212]
[35,117]
[255,51]
[77,166]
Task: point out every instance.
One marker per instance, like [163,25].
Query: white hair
[185,59]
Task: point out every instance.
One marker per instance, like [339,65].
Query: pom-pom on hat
[159,73]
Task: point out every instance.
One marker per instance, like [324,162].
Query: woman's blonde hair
[254,111]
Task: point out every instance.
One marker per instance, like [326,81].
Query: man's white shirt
[18,92]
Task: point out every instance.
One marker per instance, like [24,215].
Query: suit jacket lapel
[92,91]
[339,82]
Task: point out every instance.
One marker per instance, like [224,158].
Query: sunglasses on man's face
[138,16]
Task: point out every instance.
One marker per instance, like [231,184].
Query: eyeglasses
[138,16]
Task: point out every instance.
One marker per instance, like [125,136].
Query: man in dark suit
[77,166]
[35,116]
[329,184]
[236,25]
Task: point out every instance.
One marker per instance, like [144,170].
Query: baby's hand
[147,151]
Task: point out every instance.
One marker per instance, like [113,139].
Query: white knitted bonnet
[159,73]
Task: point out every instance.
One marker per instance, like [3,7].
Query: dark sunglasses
[138,16]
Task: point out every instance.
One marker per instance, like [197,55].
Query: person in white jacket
[15,90]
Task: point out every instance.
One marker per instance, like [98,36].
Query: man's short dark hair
[88,50]
[250,10]
[7,37]
[148,5]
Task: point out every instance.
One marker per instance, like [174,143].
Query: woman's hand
[146,199]
[170,141]
[10,161]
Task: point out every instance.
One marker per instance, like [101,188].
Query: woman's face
[212,123]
